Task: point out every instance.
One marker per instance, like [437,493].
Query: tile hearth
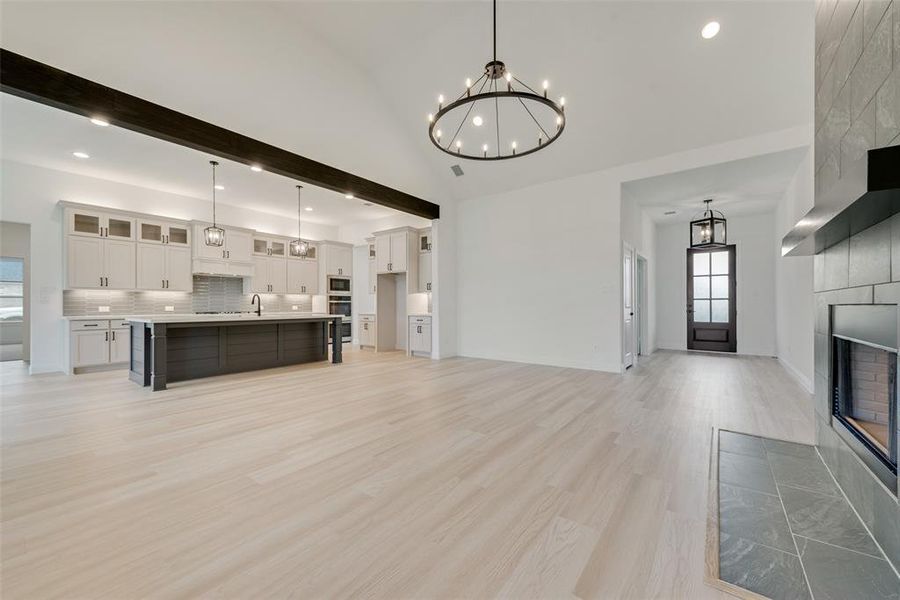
[786,530]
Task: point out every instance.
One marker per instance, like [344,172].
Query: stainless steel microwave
[338,285]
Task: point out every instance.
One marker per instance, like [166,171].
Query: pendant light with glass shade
[708,229]
[299,247]
[215,236]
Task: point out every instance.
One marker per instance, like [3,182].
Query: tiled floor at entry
[785,529]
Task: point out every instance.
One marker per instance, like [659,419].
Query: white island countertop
[235,317]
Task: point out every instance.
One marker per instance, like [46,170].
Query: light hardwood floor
[383,477]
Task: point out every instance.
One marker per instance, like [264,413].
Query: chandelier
[470,126]
[215,235]
[708,228]
[299,247]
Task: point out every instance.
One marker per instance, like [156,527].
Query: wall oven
[340,304]
[338,285]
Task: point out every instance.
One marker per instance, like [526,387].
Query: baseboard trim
[804,381]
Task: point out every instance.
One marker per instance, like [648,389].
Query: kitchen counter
[168,348]
[236,317]
[95,317]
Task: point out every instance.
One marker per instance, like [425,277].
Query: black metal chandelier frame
[494,71]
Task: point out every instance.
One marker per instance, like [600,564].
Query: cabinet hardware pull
[163,284]
[114,335]
[101,281]
[90,324]
[107,336]
[228,252]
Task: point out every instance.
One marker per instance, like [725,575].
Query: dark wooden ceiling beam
[28,78]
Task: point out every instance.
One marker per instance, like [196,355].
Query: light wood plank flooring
[383,477]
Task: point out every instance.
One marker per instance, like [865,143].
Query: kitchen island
[169,348]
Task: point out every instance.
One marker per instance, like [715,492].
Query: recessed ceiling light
[308,209]
[255,168]
[710,30]
[80,154]
[220,187]
[348,196]
[477,121]
[100,122]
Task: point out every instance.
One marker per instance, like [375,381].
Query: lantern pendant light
[215,236]
[708,229]
[299,247]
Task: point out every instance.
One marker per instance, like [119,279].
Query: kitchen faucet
[258,302]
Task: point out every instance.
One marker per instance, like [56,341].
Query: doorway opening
[14,265]
[711,310]
[640,306]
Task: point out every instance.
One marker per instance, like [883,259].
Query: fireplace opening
[864,378]
[866,395]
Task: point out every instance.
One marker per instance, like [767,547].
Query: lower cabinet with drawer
[98,343]
[420,335]
[366,333]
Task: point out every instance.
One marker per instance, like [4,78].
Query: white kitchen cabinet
[94,343]
[373,277]
[366,333]
[234,257]
[392,250]
[425,240]
[269,275]
[154,231]
[161,267]
[100,263]
[85,262]
[338,259]
[420,335]
[119,264]
[100,224]
[90,348]
[302,277]
[119,345]
[268,246]
[424,272]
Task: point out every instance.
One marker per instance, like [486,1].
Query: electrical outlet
[295,307]
[103,309]
[170,309]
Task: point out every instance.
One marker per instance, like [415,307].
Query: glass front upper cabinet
[99,224]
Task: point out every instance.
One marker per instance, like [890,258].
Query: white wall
[31,194]
[795,304]
[753,236]
[540,274]
[540,268]
[639,231]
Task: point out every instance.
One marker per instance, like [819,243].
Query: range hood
[867,193]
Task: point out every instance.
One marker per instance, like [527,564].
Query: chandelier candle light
[708,229]
[215,236]
[522,107]
[299,247]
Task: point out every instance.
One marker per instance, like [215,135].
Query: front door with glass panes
[711,311]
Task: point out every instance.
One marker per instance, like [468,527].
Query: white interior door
[628,307]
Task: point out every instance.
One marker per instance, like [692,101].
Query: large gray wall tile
[850,49]
[887,108]
[873,11]
[754,516]
[873,68]
[837,266]
[859,139]
[870,255]
[819,272]
[887,293]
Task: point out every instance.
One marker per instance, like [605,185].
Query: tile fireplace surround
[861,270]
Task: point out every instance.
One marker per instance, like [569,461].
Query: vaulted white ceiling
[350,83]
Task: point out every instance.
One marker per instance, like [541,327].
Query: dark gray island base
[169,349]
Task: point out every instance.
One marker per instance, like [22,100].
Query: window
[711,283]
[12,277]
